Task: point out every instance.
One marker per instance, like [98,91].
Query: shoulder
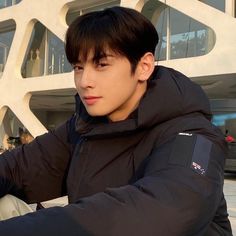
[188,151]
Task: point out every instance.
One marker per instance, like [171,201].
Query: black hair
[121,30]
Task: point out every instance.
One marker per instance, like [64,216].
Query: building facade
[197,37]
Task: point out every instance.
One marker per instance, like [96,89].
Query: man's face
[107,87]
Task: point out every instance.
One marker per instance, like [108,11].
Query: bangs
[87,38]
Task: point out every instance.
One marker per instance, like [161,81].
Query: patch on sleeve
[182,149]
[191,150]
[201,155]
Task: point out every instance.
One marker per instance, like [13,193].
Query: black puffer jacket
[158,173]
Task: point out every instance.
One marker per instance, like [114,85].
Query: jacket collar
[170,94]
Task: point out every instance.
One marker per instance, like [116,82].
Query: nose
[85,79]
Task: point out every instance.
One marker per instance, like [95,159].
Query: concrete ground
[230,195]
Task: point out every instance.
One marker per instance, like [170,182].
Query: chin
[95,113]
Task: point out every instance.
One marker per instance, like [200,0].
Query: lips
[90,100]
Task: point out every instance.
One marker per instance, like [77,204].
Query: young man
[139,157]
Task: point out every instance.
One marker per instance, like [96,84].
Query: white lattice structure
[16,91]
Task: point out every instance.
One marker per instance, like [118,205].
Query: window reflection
[57,62]
[45,54]
[6,38]
[161,49]
[179,35]
[220,5]
[189,38]
[8,3]
[12,132]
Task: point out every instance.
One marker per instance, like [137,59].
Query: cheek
[121,93]
[76,82]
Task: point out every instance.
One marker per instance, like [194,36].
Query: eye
[77,68]
[101,64]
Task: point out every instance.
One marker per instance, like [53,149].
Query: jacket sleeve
[174,197]
[35,172]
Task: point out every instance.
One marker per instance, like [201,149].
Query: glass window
[78,10]
[6,37]
[221,119]
[45,54]
[12,132]
[179,35]
[7,3]
[161,49]
[189,38]
[224,115]
[57,62]
[218,4]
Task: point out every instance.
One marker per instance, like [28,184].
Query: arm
[172,198]
[35,172]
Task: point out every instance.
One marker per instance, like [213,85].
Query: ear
[145,66]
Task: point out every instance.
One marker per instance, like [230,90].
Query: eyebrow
[102,57]
[94,59]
